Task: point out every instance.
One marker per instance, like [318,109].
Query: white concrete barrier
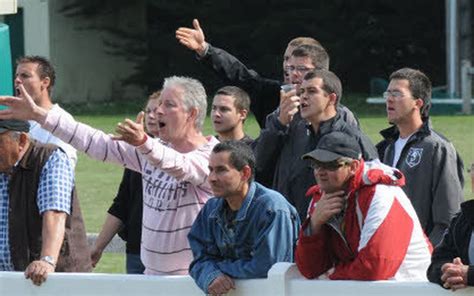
[116,245]
[283,279]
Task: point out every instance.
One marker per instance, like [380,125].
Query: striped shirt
[43,136]
[54,193]
[175,188]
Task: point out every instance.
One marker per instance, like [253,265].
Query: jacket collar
[369,173]
[242,213]
[327,125]
[391,134]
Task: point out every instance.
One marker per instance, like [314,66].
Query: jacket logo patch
[414,157]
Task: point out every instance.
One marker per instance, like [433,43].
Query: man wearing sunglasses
[430,163]
[360,224]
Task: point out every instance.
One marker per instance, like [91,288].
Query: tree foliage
[364,38]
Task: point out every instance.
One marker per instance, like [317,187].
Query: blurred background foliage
[365,39]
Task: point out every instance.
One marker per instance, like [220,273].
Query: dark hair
[331,83]
[318,55]
[419,85]
[242,100]
[45,68]
[240,155]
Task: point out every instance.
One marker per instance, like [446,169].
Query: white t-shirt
[41,135]
[399,144]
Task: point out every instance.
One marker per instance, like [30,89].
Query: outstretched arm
[263,91]
[22,108]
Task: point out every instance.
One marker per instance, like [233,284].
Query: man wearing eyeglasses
[432,168]
[263,91]
[360,225]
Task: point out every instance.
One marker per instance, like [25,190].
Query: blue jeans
[134,264]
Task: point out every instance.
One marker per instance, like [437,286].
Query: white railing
[283,279]
[466,86]
[8,7]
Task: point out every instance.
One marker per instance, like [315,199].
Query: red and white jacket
[380,239]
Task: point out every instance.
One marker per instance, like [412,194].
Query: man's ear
[355,164]
[246,173]
[243,114]
[332,99]
[419,103]
[45,83]
[193,113]
[23,141]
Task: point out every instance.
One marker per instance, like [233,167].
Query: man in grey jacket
[285,139]
[432,168]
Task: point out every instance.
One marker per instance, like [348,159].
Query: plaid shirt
[54,193]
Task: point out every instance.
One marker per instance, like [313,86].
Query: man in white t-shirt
[37,75]
[432,168]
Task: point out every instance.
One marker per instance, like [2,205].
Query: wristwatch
[50,260]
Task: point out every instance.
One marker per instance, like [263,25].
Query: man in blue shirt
[245,229]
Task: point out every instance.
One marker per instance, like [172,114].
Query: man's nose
[212,177]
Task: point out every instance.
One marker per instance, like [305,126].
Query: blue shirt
[54,193]
[263,232]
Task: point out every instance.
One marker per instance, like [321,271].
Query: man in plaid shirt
[36,201]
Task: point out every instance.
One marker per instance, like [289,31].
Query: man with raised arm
[264,92]
[174,168]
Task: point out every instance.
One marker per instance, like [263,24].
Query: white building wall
[85,72]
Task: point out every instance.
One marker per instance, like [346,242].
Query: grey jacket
[433,173]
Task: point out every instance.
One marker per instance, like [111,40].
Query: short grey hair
[15,135]
[194,96]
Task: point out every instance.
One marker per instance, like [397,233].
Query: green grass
[97,182]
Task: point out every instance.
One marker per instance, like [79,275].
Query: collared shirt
[54,193]
[244,244]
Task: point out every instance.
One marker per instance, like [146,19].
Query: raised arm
[263,91]
[273,137]
[190,167]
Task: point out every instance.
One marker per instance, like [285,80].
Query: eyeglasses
[298,69]
[397,95]
[328,166]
